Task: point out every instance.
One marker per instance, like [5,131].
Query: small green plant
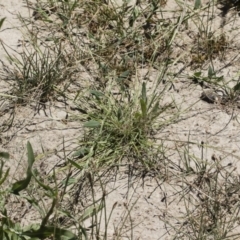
[211,79]
[208,48]
[120,126]
[117,47]
[207,43]
[229,90]
[37,73]
[125,35]
[10,229]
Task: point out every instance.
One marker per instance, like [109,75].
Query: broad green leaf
[10,235]
[4,155]
[92,124]
[211,72]
[20,185]
[31,157]
[49,231]
[197,74]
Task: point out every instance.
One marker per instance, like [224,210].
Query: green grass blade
[143,108]
[92,124]
[81,153]
[31,158]
[48,231]
[236,87]
[144,92]
[91,211]
[45,187]
[5,176]
[4,155]
[75,164]
[22,184]
[2,21]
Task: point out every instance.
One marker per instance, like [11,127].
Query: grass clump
[49,200]
[120,116]
[227,91]
[10,229]
[36,73]
[209,47]
[121,124]
[124,36]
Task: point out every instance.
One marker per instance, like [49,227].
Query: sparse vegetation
[116,69]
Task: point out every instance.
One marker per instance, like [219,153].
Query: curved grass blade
[2,21]
[22,184]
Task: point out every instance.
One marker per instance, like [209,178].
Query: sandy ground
[152,202]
